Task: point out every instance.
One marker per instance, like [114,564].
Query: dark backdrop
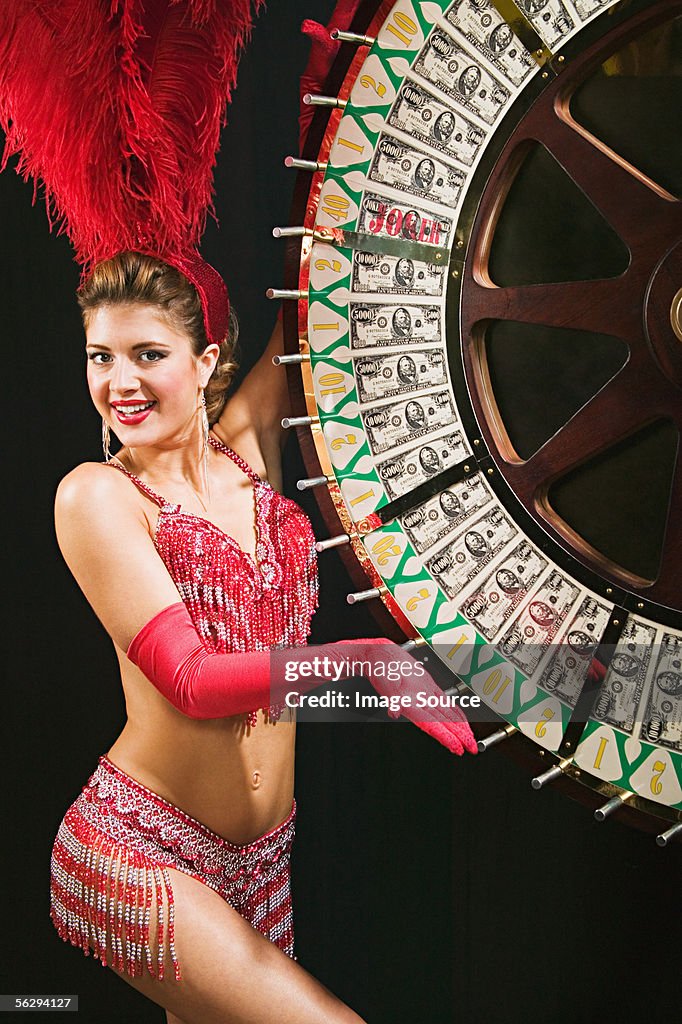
[427,888]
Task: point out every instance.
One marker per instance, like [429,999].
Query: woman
[187,823]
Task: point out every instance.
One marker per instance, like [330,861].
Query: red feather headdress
[116,107]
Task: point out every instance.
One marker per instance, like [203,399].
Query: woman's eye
[154,356]
[99,357]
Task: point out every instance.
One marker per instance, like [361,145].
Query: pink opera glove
[206,684]
[447,725]
[322,54]
[170,652]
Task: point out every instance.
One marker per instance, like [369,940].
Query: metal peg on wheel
[292,231]
[410,645]
[304,165]
[323,101]
[332,542]
[295,294]
[555,772]
[496,737]
[667,837]
[351,37]
[290,359]
[299,421]
[307,483]
[365,595]
[603,812]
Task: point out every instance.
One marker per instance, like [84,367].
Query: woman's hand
[395,674]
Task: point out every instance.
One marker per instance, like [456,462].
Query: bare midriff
[235,779]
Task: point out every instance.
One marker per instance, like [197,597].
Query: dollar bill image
[402,473]
[382,376]
[441,515]
[436,123]
[375,274]
[566,671]
[486,31]
[626,677]
[389,426]
[398,219]
[375,326]
[407,169]
[449,67]
[663,713]
[492,604]
[457,564]
[528,639]
[586,8]
[549,17]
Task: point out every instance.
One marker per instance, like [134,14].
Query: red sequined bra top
[236,602]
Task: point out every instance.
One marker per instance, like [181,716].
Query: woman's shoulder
[92,486]
[95,507]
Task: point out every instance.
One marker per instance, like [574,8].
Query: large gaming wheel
[485,342]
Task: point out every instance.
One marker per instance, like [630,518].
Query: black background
[427,888]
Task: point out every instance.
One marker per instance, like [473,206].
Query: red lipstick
[140,413]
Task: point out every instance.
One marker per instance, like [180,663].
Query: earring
[204,423]
[204,434]
[106,437]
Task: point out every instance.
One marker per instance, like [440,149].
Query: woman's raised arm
[260,404]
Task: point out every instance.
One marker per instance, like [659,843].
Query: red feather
[116,107]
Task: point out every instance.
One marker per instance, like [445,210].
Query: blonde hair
[130,277]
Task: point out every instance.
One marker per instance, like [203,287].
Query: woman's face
[143,377]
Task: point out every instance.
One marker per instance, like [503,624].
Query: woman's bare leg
[230,973]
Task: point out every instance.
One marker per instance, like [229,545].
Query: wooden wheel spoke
[614,413]
[606,306]
[619,191]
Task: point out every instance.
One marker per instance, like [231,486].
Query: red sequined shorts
[109,872]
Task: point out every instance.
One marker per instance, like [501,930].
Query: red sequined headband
[210,286]
[212,292]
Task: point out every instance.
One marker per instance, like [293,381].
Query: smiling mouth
[133,413]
